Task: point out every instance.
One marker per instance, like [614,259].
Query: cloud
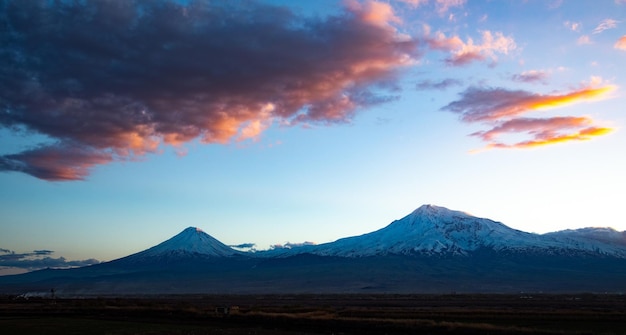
[531,76]
[121,79]
[243,245]
[374,12]
[290,245]
[444,5]
[38,259]
[621,43]
[501,110]
[573,26]
[463,53]
[605,25]
[585,134]
[583,40]
[414,3]
[440,85]
[441,6]
[491,104]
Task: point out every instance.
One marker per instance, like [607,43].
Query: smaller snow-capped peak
[191,241]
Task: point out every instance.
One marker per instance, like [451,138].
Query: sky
[273,123]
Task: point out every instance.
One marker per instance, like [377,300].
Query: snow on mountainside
[432,230]
[606,239]
[190,242]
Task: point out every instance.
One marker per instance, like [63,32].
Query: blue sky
[270,122]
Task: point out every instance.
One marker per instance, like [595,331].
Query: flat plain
[317,314]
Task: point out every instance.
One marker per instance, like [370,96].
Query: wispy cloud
[585,134]
[501,110]
[463,53]
[444,6]
[531,76]
[438,85]
[414,3]
[621,43]
[605,25]
[155,78]
[492,104]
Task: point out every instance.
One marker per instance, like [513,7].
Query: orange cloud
[501,109]
[551,101]
[582,135]
[480,104]
[621,43]
[540,128]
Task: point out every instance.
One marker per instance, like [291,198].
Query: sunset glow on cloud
[131,120]
[463,53]
[102,109]
[98,109]
[621,43]
[501,109]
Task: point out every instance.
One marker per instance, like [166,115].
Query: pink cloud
[463,53]
[374,12]
[583,40]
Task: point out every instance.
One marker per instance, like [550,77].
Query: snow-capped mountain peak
[434,230]
[191,241]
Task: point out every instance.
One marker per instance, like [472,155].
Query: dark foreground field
[318,314]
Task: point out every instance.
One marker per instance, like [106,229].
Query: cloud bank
[115,80]
[38,259]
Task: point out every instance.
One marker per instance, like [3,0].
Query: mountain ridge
[431,250]
[434,230]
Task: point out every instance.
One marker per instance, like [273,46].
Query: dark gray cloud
[243,245]
[112,80]
[39,259]
[533,76]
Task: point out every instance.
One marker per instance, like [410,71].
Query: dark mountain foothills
[432,250]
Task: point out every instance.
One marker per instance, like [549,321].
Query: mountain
[433,230]
[191,243]
[431,250]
